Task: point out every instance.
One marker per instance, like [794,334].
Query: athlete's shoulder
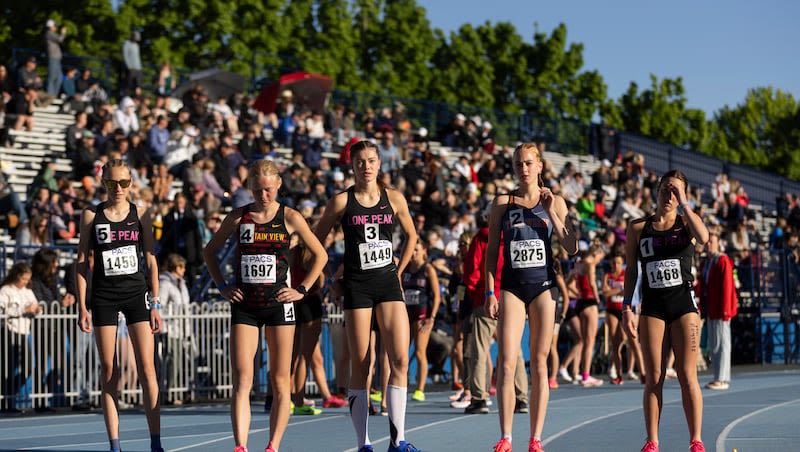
[503,199]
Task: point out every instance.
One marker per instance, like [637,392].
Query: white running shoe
[591,382]
[562,372]
[462,401]
[612,372]
[633,376]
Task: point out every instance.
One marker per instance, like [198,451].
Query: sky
[720,49]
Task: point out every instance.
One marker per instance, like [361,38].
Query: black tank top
[415,286]
[368,236]
[666,258]
[118,272]
[527,251]
[261,258]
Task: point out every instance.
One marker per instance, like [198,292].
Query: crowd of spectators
[190,158]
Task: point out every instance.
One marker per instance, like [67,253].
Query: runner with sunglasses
[116,247]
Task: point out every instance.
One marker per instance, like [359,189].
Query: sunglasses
[112,184]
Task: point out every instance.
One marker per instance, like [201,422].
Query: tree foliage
[388,47]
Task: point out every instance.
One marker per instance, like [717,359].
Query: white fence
[56,365]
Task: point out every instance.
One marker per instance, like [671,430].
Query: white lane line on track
[432,424]
[228,437]
[723,436]
[638,408]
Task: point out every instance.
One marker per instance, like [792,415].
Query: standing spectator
[182,236]
[44,283]
[53,42]
[133,65]
[175,301]
[719,304]
[167,81]
[19,304]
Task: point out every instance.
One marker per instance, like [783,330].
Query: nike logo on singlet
[131,223]
[383,206]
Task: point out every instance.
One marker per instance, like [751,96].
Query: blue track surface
[761,412]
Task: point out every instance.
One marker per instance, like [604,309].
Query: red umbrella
[309,91]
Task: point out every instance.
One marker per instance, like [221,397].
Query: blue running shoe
[366,448]
[403,447]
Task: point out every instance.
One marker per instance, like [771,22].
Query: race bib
[120,261]
[258,269]
[528,253]
[375,254]
[412,297]
[664,274]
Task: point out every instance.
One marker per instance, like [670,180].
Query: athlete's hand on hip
[288,295]
[155,321]
[232,294]
[85,321]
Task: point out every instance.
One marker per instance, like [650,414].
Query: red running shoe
[334,402]
[535,445]
[650,446]
[697,446]
[504,445]
[269,448]
[616,381]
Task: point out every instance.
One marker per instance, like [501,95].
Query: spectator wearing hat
[133,65]
[27,75]
[486,137]
[53,42]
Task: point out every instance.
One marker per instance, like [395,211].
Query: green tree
[462,73]
[763,130]
[559,90]
[505,50]
[660,112]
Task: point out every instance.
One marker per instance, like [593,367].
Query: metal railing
[57,365]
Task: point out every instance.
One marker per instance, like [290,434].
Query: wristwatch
[302,289]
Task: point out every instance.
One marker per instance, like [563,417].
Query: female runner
[368,212]
[663,243]
[527,217]
[260,295]
[118,238]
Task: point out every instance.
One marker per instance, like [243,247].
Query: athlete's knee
[281,383]
[399,363]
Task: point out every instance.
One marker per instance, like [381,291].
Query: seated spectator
[125,116]
[83,163]
[74,133]
[158,139]
[19,110]
[12,210]
[32,236]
